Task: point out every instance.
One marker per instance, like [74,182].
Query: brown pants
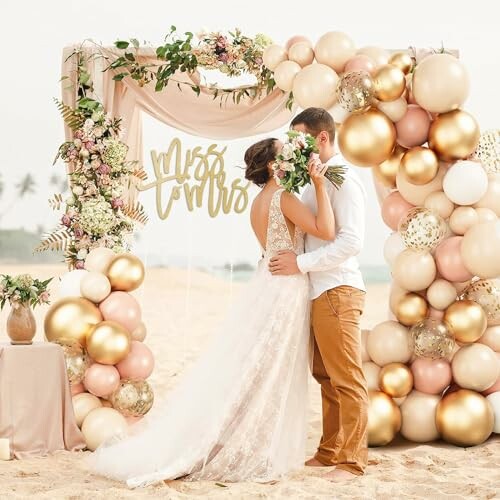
[337,366]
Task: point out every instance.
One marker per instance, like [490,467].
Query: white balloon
[69,284]
[393,246]
[339,114]
[494,400]
[102,424]
[389,342]
[465,182]
[371,372]
[394,110]
[98,259]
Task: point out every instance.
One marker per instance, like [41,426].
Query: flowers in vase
[23,290]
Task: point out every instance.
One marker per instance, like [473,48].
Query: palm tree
[59,182]
[26,186]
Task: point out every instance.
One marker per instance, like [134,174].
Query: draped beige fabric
[36,410]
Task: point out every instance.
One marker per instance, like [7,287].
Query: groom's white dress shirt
[331,264]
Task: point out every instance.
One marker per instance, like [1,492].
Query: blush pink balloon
[496,386]
[138,364]
[449,260]
[360,63]
[431,376]
[394,208]
[101,380]
[412,130]
[122,308]
[435,313]
[295,39]
[77,389]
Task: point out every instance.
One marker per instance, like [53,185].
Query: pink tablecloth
[36,412]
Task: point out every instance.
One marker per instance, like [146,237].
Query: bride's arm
[321,225]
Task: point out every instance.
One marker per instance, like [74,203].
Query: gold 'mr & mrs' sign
[199,175]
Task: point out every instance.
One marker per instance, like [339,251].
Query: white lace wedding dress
[240,413]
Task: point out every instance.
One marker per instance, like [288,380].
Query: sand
[179,325]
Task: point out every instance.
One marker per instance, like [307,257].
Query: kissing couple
[240,413]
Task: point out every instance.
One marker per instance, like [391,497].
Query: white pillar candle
[4,449]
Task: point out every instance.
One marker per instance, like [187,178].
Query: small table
[36,410]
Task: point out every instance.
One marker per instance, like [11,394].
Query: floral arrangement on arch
[96,213]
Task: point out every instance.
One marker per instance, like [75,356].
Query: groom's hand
[285,264]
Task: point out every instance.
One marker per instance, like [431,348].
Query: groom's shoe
[314,462]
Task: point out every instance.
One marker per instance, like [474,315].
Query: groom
[337,293]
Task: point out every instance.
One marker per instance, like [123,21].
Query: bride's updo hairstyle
[257,159]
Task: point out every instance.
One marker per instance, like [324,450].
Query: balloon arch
[398,112]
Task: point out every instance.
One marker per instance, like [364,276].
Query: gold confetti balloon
[488,151]
[125,272]
[487,294]
[77,360]
[464,418]
[466,319]
[355,91]
[133,398]
[384,419]
[431,338]
[396,380]
[422,229]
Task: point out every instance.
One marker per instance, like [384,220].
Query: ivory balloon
[378,55]
[285,73]
[481,249]
[411,309]
[413,128]
[440,83]
[273,55]
[388,343]
[384,419]
[395,110]
[71,318]
[339,114]
[486,214]
[464,418]
[139,333]
[465,182]
[414,270]
[419,165]
[367,139]
[371,372]
[393,246]
[440,203]
[462,219]
[95,287]
[108,343]
[334,49]
[491,198]
[360,63]
[315,86]
[431,376]
[496,386]
[449,260]
[83,404]
[454,135]
[415,194]
[475,367]
[396,380]
[69,284]
[102,424]
[418,414]
[491,338]
[297,38]
[494,401]
[441,294]
[125,272]
[466,320]
[396,294]
[394,208]
[402,61]
[387,170]
[301,53]
[98,259]
[389,82]
[364,353]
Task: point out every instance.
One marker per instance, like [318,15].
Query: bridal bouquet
[290,167]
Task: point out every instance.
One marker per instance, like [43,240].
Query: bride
[240,413]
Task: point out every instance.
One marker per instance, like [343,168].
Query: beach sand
[180,320]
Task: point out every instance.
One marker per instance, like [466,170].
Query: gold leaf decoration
[56,201]
[73,118]
[57,240]
[136,213]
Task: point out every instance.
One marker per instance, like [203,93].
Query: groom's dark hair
[315,120]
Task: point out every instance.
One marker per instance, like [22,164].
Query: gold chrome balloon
[389,82]
[108,343]
[396,380]
[367,139]
[464,418]
[387,171]
[411,309]
[466,320]
[71,318]
[384,419]
[402,60]
[419,165]
[125,272]
[454,135]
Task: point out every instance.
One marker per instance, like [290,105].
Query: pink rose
[89,145]
[44,297]
[78,232]
[79,264]
[224,57]
[66,220]
[280,174]
[117,203]
[79,134]
[259,61]
[104,169]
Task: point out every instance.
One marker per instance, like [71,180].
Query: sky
[33,34]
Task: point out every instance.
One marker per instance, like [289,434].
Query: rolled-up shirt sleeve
[349,212]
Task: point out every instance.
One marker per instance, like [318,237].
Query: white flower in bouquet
[288,151]
[97,216]
[77,143]
[98,131]
[77,190]
[82,254]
